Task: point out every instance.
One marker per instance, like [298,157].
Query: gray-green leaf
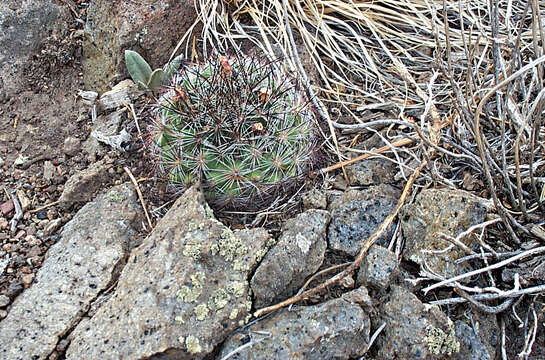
[173,66]
[138,68]
[157,79]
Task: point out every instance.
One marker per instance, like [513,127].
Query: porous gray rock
[435,212]
[24,26]
[82,186]
[356,214]
[471,342]
[414,330]
[114,26]
[183,291]
[298,254]
[49,170]
[372,172]
[336,329]
[82,264]
[378,269]
[314,199]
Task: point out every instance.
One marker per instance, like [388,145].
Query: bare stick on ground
[135,183]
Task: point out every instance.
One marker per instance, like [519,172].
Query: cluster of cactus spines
[238,125]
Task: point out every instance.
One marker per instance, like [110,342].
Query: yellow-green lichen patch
[201,311]
[440,342]
[191,294]
[179,320]
[192,344]
[181,339]
[261,253]
[241,265]
[236,288]
[193,250]
[229,246]
[233,315]
[218,299]
[191,226]
[115,196]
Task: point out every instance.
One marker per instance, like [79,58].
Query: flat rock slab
[357,214]
[436,212]
[183,291]
[336,329]
[414,330]
[82,186]
[85,261]
[298,253]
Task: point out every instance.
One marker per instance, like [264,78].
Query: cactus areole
[239,126]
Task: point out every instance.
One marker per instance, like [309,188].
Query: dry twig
[137,187]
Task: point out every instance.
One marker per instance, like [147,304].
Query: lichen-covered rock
[151,27]
[357,214]
[82,186]
[372,172]
[182,292]
[81,265]
[378,268]
[414,330]
[437,211]
[336,329]
[298,254]
[25,25]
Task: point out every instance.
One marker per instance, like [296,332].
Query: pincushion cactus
[239,126]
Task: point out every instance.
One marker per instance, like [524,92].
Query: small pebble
[51,214]
[3,314]
[23,199]
[7,207]
[14,289]
[4,301]
[27,279]
[3,224]
[49,170]
[52,226]
[42,214]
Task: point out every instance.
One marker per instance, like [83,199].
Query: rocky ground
[84,276]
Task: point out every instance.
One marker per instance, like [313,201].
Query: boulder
[435,212]
[85,262]
[336,329]
[298,254]
[83,185]
[414,330]
[378,269]
[183,291]
[151,27]
[357,214]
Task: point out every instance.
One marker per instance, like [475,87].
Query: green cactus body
[239,126]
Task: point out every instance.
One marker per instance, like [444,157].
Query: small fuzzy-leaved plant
[142,75]
[238,125]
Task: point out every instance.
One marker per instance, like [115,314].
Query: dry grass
[462,82]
